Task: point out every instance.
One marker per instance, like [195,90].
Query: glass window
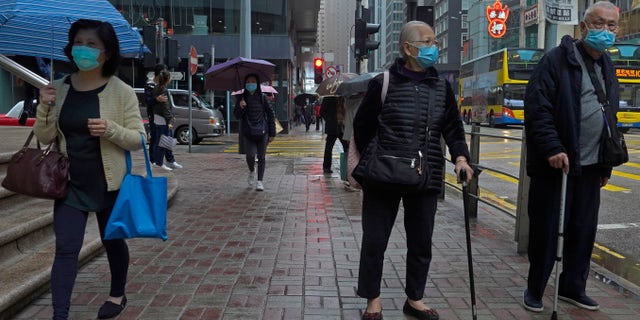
[205,16]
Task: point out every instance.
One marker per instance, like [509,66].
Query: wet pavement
[292,251]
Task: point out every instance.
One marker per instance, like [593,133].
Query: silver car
[207,122]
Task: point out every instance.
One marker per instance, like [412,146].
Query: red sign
[497,16]
[193,60]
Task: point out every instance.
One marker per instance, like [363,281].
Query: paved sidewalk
[292,251]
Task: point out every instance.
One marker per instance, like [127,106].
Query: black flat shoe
[372,315]
[426,314]
[111,310]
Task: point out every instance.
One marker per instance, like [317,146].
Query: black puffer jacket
[552,108]
[396,124]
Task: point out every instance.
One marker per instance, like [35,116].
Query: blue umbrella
[39,28]
[230,75]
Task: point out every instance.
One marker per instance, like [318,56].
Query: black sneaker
[111,310]
[581,301]
[530,303]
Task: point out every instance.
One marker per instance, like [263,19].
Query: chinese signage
[497,15]
[531,16]
[628,73]
[561,11]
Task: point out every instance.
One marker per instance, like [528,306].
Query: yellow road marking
[609,251]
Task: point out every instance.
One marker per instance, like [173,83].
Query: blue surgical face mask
[427,56]
[599,39]
[86,58]
[251,87]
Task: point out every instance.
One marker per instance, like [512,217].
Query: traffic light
[318,70]
[172,53]
[362,44]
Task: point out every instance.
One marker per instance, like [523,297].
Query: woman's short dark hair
[107,35]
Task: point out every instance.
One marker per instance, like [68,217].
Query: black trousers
[328,149]
[581,220]
[379,211]
[69,227]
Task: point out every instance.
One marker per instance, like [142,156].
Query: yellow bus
[626,60]
[492,87]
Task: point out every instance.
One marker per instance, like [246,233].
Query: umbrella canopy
[356,85]
[230,75]
[263,88]
[329,86]
[301,99]
[39,28]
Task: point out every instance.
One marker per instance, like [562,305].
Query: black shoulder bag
[613,148]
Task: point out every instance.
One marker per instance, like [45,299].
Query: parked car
[11,118]
[207,121]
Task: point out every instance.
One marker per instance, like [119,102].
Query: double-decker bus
[626,60]
[492,87]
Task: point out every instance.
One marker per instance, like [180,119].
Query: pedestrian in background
[395,122]
[317,107]
[563,124]
[258,127]
[95,117]
[163,122]
[332,111]
[150,102]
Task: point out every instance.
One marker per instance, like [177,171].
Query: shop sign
[531,16]
[497,15]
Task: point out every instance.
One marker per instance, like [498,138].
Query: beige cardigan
[119,106]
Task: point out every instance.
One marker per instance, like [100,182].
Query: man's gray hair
[600,4]
[410,33]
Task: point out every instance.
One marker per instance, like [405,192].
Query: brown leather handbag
[38,173]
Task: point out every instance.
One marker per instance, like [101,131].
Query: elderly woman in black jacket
[418,109]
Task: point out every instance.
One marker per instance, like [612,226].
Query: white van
[207,122]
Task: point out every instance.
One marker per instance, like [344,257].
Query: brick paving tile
[292,251]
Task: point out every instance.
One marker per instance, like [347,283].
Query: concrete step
[27,241]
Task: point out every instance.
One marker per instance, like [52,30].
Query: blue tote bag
[140,210]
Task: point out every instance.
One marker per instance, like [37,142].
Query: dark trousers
[259,148]
[160,153]
[379,211]
[328,149]
[581,220]
[69,226]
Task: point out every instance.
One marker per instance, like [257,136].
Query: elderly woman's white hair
[410,33]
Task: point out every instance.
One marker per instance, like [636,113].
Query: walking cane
[465,200]
[563,195]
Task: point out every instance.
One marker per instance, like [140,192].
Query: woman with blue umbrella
[95,117]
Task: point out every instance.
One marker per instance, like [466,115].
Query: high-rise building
[335,31]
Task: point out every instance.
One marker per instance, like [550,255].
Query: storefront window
[202,17]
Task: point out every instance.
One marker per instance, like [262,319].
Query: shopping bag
[140,210]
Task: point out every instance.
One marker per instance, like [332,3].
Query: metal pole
[160,46]
[358,16]
[245,28]
[22,72]
[190,76]
[475,158]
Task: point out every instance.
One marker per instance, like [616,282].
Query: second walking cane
[563,196]
[465,203]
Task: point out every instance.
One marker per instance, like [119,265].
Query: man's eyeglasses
[427,43]
[601,25]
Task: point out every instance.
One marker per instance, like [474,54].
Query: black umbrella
[301,99]
[356,85]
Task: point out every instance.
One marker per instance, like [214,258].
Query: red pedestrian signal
[318,70]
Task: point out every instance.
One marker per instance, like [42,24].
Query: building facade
[279,29]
